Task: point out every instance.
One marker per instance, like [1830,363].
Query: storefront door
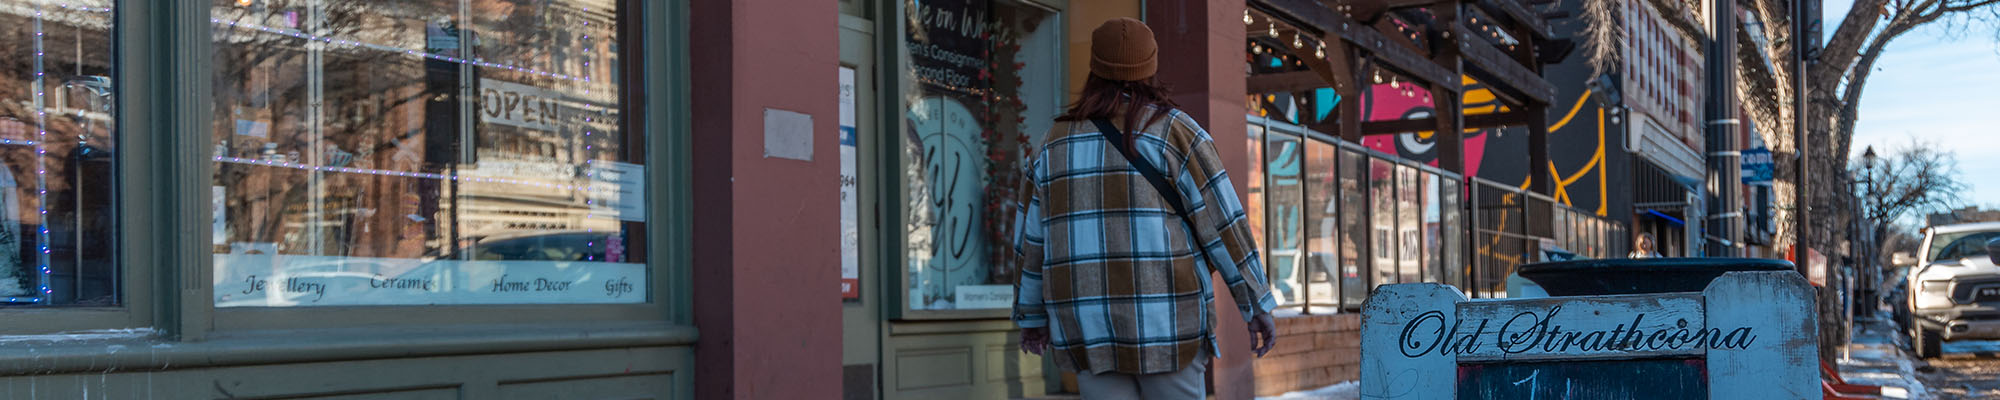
[861,296]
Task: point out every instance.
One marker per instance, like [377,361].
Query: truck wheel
[1925,342]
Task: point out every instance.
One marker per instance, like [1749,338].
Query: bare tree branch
[1917,177]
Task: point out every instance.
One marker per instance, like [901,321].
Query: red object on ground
[1838,389]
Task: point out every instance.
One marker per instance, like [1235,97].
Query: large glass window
[1255,199]
[1409,246]
[1433,218]
[984,81]
[58,146]
[1286,195]
[1453,231]
[1382,203]
[1355,211]
[424,152]
[1322,212]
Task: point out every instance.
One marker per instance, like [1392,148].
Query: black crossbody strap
[1152,175]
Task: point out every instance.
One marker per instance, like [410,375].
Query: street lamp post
[1865,249]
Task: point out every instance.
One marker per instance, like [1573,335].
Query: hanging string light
[1378,77]
[42,292]
[1247,20]
[394,49]
[1273,29]
[1298,40]
[1320,51]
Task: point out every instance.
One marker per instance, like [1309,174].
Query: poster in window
[980,91]
[850,227]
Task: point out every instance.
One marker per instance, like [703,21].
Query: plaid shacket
[1108,266]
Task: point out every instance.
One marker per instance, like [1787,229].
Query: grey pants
[1186,383]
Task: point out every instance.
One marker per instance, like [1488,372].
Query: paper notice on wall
[972,297]
[618,189]
[850,227]
[252,128]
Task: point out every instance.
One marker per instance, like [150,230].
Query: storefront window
[1433,218]
[1452,233]
[1255,199]
[375,152]
[1322,213]
[984,82]
[1355,211]
[58,145]
[1565,232]
[1409,246]
[1382,203]
[1287,196]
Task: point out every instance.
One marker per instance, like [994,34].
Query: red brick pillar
[765,228]
[1201,58]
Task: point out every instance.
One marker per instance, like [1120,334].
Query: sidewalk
[1340,391]
[1877,357]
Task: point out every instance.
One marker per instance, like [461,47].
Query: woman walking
[1125,213]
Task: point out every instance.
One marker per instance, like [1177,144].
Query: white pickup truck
[1954,291]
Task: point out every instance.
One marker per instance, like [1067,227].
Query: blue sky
[1938,86]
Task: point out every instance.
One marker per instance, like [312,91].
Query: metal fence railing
[1335,219]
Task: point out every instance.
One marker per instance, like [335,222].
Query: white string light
[1247,20]
[43,294]
[404,174]
[393,49]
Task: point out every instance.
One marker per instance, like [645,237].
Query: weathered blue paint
[1653,379]
[1749,335]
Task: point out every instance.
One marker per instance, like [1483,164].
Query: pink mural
[1399,101]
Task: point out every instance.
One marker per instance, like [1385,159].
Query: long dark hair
[1105,98]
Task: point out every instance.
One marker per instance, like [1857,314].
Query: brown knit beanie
[1123,50]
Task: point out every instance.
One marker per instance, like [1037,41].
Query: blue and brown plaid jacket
[1108,266]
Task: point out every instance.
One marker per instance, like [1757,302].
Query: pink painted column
[765,229]
[1201,58]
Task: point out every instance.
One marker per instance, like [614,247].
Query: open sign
[513,104]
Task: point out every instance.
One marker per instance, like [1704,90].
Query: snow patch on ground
[1349,390]
[1876,357]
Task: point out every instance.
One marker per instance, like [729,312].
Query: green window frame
[163,241]
[889,168]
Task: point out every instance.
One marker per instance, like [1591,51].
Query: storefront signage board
[1758,167]
[1749,335]
[850,225]
[263,279]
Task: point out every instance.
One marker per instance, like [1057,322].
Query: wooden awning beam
[1502,72]
[1310,14]
[1481,121]
[1285,82]
[1520,15]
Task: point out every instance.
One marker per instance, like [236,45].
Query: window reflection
[57,147]
[977,95]
[423,152]
[1322,213]
[1286,194]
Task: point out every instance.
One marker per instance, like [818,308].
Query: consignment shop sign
[1749,335]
